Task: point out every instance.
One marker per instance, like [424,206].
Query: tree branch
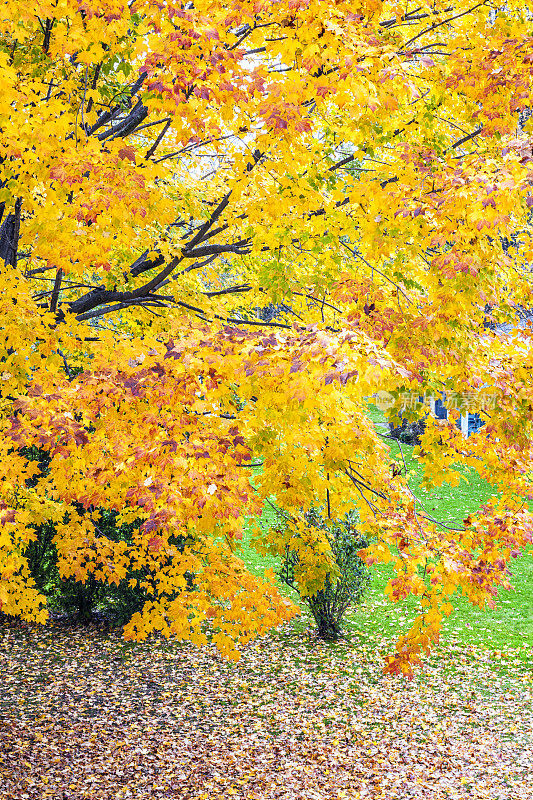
[444,22]
[466,138]
[55,290]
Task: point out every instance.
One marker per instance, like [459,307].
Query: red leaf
[127,152]
[154,544]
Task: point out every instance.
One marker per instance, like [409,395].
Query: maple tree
[167,171]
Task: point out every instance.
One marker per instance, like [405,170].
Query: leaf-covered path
[85,715]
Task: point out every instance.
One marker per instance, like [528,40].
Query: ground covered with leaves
[86,715]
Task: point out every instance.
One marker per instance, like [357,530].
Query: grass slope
[510,625]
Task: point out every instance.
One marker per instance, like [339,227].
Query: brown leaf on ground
[86,716]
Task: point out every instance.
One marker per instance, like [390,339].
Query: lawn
[509,625]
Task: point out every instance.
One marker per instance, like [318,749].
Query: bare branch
[55,290]
[375,269]
[342,163]
[256,322]
[317,300]
[466,138]
[444,22]
[244,287]
[240,248]
[9,235]
[223,204]
[157,142]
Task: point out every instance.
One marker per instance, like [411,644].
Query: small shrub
[341,589]
[85,599]
[408,432]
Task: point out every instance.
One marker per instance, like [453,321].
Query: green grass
[510,625]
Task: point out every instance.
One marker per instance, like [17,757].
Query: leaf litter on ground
[86,715]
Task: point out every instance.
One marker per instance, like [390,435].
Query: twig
[355,253]
[157,142]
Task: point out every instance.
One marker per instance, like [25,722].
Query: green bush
[408,432]
[117,602]
[84,598]
[342,589]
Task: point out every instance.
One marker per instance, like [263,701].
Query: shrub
[117,602]
[344,587]
[84,598]
[408,432]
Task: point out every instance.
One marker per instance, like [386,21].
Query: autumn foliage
[168,172]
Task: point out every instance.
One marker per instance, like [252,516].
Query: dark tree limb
[128,125]
[244,287]
[444,22]
[55,290]
[241,248]
[155,145]
[112,113]
[47,30]
[466,138]
[221,207]
[9,235]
